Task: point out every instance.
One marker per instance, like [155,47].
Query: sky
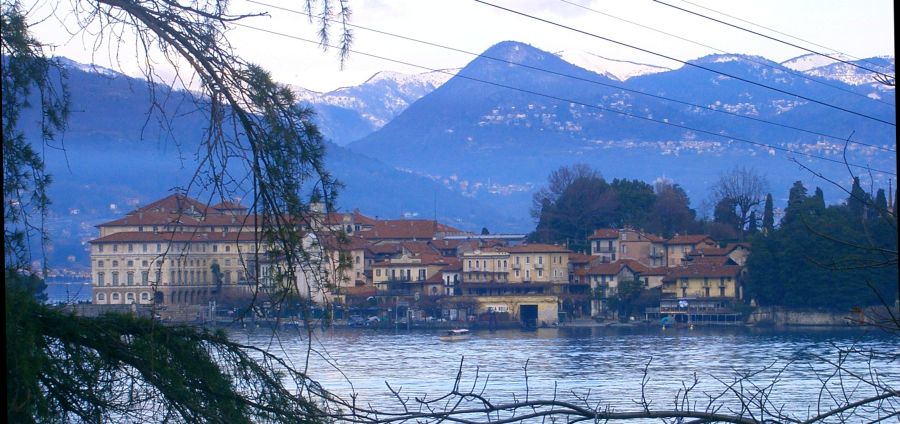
[859,28]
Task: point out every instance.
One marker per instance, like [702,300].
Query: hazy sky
[861,28]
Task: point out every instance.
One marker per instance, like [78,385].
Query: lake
[602,364]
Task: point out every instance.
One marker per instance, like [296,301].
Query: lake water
[605,365]
[68,290]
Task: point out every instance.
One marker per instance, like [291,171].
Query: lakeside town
[189,262]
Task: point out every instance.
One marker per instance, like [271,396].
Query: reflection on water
[572,361]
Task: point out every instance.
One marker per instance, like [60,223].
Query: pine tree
[768,222]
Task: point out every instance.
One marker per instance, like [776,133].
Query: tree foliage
[579,200]
[742,190]
[821,257]
[258,139]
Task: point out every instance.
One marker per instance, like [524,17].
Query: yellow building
[538,263]
[703,280]
[680,246]
[488,265]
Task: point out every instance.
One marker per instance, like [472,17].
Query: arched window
[101,297]
[115,297]
[130,297]
[145,296]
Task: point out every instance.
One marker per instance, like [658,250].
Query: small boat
[454,335]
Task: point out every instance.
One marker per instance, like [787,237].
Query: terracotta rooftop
[187,236]
[580,258]
[534,248]
[405,229]
[604,233]
[689,239]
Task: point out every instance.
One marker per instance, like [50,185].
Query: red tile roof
[187,236]
[691,239]
[579,258]
[534,248]
[406,229]
[604,233]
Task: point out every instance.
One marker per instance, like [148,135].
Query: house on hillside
[679,246]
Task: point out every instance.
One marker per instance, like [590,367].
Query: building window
[722,291]
[130,278]
[145,278]
[227,248]
[528,259]
[517,273]
[357,260]
[130,297]
[115,278]
[100,281]
[100,248]
[540,273]
[101,297]
[215,248]
[115,297]
[144,264]
[130,247]
[540,260]
[115,248]
[378,272]
[115,264]
[99,264]
[145,296]
[144,247]
[158,246]
[131,264]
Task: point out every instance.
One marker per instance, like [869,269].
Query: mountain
[350,113]
[496,130]
[829,69]
[119,153]
[619,70]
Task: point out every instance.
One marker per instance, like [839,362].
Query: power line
[561,99]
[771,38]
[686,63]
[600,83]
[781,33]
[751,59]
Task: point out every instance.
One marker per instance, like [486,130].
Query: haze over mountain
[472,153]
[499,140]
[119,153]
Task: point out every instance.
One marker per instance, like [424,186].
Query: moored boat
[455,334]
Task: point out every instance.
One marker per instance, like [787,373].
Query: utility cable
[749,58]
[781,33]
[561,99]
[772,38]
[685,62]
[592,81]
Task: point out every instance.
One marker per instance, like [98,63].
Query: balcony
[516,266]
[538,266]
[656,255]
[606,250]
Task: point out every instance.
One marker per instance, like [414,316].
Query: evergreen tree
[768,221]
[857,202]
[818,199]
[753,226]
[880,208]
[796,198]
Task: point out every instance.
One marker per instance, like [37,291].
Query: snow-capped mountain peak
[812,60]
[620,70]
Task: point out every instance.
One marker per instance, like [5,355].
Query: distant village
[181,255]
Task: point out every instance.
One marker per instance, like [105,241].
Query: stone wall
[789,317]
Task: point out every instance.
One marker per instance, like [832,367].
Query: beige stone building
[173,251]
[538,263]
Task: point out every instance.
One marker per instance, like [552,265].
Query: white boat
[454,335]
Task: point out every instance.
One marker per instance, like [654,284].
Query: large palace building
[176,250]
